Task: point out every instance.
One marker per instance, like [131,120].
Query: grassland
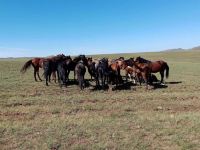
[33,116]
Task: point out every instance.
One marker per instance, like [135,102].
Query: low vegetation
[33,116]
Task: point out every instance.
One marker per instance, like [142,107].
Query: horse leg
[38,75]
[83,81]
[74,75]
[150,79]
[35,74]
[47,82]
[54,76]
[162,76]
[91,77]
[145,77]
[68,71]
[59,79]
[139,79]
[104,81]
[47,77]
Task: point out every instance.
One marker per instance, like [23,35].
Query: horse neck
[137,66]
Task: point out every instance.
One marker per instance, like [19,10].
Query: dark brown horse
[91,67]
[156,66]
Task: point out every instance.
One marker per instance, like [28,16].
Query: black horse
[54,65]
[71,64]
[80,70]
[102,72]
[62,73]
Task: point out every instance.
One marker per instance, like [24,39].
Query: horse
[143,71]
[102,72]
[72,63]
[54,65]
[156,66]
[128,62]
[62,73]
[80,72]
[115,66]
[36,63]
[91,65]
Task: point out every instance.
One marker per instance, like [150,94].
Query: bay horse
[156,66]
[144,71]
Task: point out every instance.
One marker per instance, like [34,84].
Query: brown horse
[155,66]
[134,74]
[36,63]
[115,67]
[144,72]
[91,67]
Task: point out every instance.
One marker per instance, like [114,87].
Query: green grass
[33,116]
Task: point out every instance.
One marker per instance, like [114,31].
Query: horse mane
[142,60]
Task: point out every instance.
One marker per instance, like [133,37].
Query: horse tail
[167,70]
[26,66]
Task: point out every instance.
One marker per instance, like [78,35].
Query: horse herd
[104,71]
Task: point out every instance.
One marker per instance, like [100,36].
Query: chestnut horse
[156,66]
[36,63]
[143,72]
[115,66]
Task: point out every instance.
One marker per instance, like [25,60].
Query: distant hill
[174,50]
[197,48]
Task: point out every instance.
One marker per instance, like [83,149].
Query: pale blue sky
[72,27]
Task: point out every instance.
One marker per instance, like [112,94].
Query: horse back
[157,66]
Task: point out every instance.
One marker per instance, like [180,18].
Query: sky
[40,28]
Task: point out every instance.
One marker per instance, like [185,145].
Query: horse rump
[62,73]
[102,72]
[80,72]
[26,66]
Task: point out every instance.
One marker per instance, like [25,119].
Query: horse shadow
[174,82]
[97,88]
[159,86]
[113,87]
[124,86]
[75,82]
